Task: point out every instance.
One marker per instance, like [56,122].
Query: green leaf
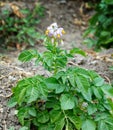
[83,86]
[75,120]
[55,115]
[21,95]
[60,89]
[27,55]
[51,83]
[43,117]
[91,109]
[22,114]
[32,112]
[31,42]
[109,40]
[67,101]
[69,126]
[108,90]
[32,93]
[97,92]
[103,126]
[109,121]
[88,125]
[12,102]
[101,116]
[48,58]
[90,30]
[87,95]
[98,81]
[60,124]
[90,42]
[43,90]
[53,103]
[82,83]
[105,34]
[77,51]
[71,79]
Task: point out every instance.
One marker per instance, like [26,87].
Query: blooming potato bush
[70,99]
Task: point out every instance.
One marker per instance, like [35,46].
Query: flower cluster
[54,31]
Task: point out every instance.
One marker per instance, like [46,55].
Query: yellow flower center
[47,32]
[58,35]
[63,32]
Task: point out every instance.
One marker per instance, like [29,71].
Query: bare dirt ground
[71,17]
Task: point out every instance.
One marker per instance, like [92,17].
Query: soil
[72,16]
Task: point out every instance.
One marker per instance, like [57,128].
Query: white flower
[54,25]
[54,31]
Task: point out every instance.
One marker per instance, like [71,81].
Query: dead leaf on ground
[16,11]
[79,22]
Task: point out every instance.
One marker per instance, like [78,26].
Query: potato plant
[72,98]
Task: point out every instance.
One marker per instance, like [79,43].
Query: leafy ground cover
[12,70]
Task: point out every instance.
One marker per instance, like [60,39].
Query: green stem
[55,52]
[65,117]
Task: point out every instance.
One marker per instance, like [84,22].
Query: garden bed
[11,70]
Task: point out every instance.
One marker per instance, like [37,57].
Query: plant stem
[65,117]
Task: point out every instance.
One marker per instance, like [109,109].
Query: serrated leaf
[98,81]
[32,93]
[91,109]
[27,55]
[103,126]
[82,83]
[48,58]
[83,86]
[72,80]
[55,115]
[77,51]
[53,103]
[51,83]
[108,90]
[69,126]
[87,95]
[21,95]
[22,114]
[60,124]
[12,102]
[32,112]
[60,89]
[43,117]
[43,90]
[97,92]
[67,101]
[101,116]
[88,125]
[75,120]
